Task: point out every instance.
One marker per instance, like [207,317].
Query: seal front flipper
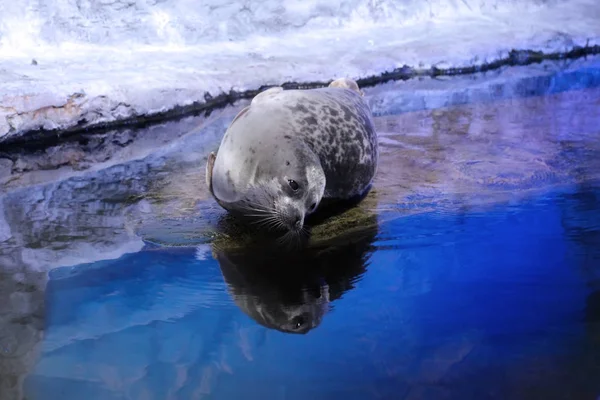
[210,163]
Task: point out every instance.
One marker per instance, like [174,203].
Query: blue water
[500,301]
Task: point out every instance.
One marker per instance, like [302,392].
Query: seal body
[290,149]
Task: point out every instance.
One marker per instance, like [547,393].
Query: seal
[289,150]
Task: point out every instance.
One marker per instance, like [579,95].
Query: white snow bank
[102,61]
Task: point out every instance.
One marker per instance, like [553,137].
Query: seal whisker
[278,224]
[260,222]
[271,221]
[284,239]
[259,215]
[264,211]
[303,231]
[290,240]
[259,208]
[268,222]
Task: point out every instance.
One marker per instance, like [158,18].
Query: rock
[6,166]
[20,165]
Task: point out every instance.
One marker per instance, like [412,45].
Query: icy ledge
[76,85]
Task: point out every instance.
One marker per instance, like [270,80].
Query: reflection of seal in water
[290,149]
[294,299]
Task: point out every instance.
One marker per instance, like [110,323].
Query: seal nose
[295,221]
[293,218]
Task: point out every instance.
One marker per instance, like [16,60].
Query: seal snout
[293,219]
[295,222]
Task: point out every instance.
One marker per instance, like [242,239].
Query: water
[501,303]
[476,274]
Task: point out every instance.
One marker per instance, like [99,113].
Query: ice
[103,61]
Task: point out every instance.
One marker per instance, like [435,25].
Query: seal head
[280,184]
[282,196]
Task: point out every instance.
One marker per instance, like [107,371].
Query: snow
[110,60]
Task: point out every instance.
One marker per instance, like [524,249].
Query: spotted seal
[291,149]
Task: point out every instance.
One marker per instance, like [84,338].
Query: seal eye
[298,322]
[293,185]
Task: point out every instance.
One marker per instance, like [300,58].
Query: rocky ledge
[53,87]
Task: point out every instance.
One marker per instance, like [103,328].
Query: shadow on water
[292,291]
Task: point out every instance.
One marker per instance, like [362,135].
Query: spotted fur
[337,124]
[322,138]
